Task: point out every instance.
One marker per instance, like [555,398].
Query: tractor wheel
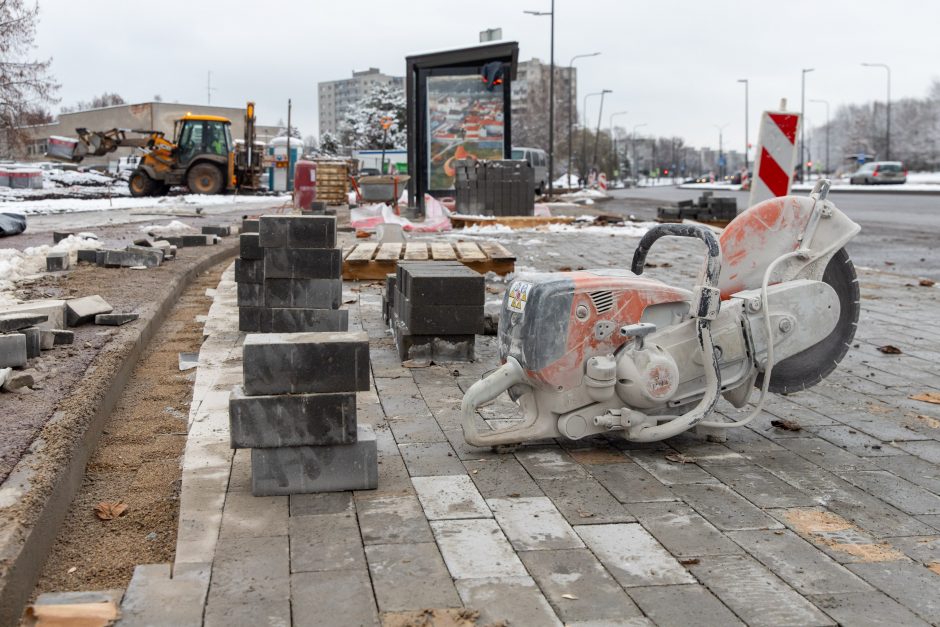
[140,184]
[205,178]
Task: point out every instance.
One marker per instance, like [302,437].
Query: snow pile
[585,196]
[73,177]
[16,264]
[79,205]
[566,180]
[173,227]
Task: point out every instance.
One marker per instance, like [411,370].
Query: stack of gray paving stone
[292,271]
[435,309]
[297,413]
[494,188]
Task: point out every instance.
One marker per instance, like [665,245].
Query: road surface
[899,231]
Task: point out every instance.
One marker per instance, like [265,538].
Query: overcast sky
[672,65]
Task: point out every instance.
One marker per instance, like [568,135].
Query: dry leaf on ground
[679,458]
[928,397]
[786,425]
[109,511]
[692,561]
[888,349]
[927,283]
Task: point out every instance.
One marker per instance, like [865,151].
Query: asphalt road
[900,232]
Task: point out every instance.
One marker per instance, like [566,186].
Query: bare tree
[25,84]
[106,99]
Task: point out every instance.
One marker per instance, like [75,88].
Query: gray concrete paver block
[476,548]
[247,515]
[425,459]
[333,599]
[502,476]
[533,523]
[13,350]
[450,497]
[250,570]
[829,456]
[325,542]
[910,583]
[293,363]
[724,508]
[755,594]
[81,310]
[630,483]
[682,605]
[393,520]
[670,473]
[578,587]
[632,555]
[410,577]
[515,600]
[549,462]
[584,501]
[323,503]
[895,491]
[865,609]
[761,487]
[269,421]
[682,530]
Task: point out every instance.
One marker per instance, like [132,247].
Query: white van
[538,161]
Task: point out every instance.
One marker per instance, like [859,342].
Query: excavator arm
[98,143]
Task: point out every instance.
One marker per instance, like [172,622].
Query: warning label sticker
[518,296]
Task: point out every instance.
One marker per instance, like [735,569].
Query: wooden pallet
[372,261]
[514,222]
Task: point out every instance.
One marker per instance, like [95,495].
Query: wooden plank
[496,251]
[362,253]
[416,251]
[442,251]
[513,222]
[469,251]
[389,252]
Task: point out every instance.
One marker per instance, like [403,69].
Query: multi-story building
[334,97]
[530,100]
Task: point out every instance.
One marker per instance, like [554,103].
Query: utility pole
[571,103]
[888,111]
[803,119]
[551,98]
[721,166]
[613,142]
[597,133]
[584,130]
[209,88]
[747,143]
[825,102]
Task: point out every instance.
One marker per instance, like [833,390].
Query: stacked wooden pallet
[371,260]
[332,181]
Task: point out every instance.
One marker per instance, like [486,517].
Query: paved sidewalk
[838,522]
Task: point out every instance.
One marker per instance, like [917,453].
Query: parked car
[538,161]
[879,172]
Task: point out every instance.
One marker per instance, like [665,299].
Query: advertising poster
[465,121]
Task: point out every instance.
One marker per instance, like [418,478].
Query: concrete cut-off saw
[603,351]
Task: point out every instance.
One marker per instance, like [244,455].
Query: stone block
[14,321]
[138,256]
[291,419]
[54,309]
[168,249]
[58,236]
[439,348]
[61,337]
[297,231]
[249,319]
[424,319]
[149,249]
[215,229]
[249,270]
[304,293]
[303,263]
[33,342]
[81,310]
[285,320]
[12,350]
[115,319]
[303,469]
[442,284]
[100,256]
[250,295]
[295,363]
[250,225]
[88,255]
[388,296]
[198,240]
[249,247]
[56,262]
[19,379]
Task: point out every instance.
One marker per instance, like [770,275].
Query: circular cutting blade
[808,368]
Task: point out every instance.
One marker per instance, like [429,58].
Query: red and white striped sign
[776,156]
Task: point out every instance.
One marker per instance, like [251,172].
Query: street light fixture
[551,97]
[584,127]
[571,103]
[803,119]
[825,102]
[888,112]
[634,164]
[613,140]
[747,144]
[721,166]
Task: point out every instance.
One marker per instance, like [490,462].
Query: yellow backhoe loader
[201,155]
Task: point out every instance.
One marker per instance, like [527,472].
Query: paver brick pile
[297,413]
[435,309]
[289,276]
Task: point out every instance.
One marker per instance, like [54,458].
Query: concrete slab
[533,523]
[450,497]
[410,577]
[333,599]
[632,555]
[393,520]
[512,600]
[475,549]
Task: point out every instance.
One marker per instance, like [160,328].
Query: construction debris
[709,209]
[115,319]
[81,310]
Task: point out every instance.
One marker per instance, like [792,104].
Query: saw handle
[712,262]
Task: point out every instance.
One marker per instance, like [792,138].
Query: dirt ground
[136,463]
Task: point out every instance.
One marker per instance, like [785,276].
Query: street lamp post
[721,167]
[571,103]
[803,119]
[597,133]
[584,128]
[551,97]
[613,140]
[888,111]
[825,102]
[746,142]
[633,169]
